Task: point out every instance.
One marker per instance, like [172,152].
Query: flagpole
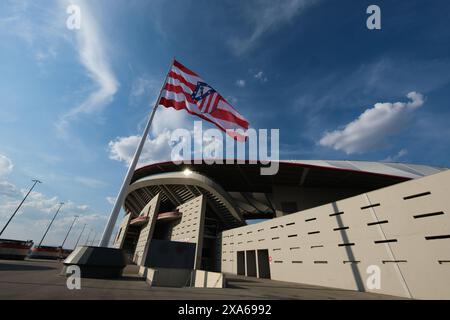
[106,236]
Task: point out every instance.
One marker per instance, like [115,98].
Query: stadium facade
[366,226]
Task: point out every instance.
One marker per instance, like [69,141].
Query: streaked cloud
[266,16]
[373,127]
[397,156]
[90,182]
[91,47]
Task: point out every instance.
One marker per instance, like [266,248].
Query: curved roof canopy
[235,188]
[315,173]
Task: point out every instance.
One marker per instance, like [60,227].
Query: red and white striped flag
[185,89]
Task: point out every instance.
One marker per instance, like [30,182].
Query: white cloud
[266,16]
[43,56]
[6,165]
[34,24]
[90,182]
[111,200]
[396,157]
[36,201]
[171,119]
[233,100]
[36,212]
[49,158]
[157,149]
[144,87]
[261,76]
[9,190]
[240,83]
[90,44]
[373,127]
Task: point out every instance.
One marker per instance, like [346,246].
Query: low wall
[166,277]
[395,240]
[207,279]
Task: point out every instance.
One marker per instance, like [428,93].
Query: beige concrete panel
[190,227]
[424,262]
[425,266]
[309,246]
[167,277]
[308,197]
[355,218]
[151,211]
[207,279]
[406,216]
[123,228]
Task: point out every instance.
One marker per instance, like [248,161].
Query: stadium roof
[226,185]
[315,173]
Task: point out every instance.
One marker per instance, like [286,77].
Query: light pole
[51,222]
[87,239]
[78,240]
[23,200]
[73,222]
[93,239]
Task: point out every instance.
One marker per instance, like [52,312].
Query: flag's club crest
[204,95]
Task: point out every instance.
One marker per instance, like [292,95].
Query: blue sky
[73,103]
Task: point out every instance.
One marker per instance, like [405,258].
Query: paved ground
[41,280]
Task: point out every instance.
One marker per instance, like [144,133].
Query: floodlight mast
[88,236]
[51,222]
[35,181]
[73,222]
[79,237]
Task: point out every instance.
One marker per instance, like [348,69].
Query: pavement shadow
[130,278]
[242,280]
[23,267]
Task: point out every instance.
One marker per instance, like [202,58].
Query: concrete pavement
[31,279]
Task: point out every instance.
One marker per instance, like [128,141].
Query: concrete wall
[123,228]
[151,210]
[190,227]
[166,277]
[306,198]
[170,277]
[403,231]
[171,254]
[207,279]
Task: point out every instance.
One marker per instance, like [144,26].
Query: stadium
[326,223]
